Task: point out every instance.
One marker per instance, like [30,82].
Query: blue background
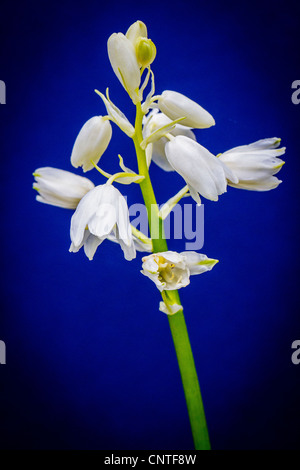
[90,359]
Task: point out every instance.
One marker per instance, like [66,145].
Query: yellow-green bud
[145,51]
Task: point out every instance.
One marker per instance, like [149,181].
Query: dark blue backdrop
[90,360]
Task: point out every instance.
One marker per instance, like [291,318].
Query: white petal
[263,144]
[170,309]
[129,251]
[123,222]
[123,60]
[172,256]
[202,171]
[103,220]
[262,185]
[136,30]
[159,155]
[154,277]
[194,194]
[91,244]
[83,214]
[75,249]
[197,262]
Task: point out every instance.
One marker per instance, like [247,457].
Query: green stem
[177,322]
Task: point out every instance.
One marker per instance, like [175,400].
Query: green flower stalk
[162,133]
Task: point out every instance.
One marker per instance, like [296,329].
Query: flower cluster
[166,136]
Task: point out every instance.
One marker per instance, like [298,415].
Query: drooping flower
[255,165]
[171,271]
[60,188]
[122,56]
[102,211]
[153,122]
[175,105]
[91,142]
[203,172]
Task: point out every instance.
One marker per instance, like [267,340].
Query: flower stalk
[177,323]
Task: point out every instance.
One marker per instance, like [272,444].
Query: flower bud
[91,142]
[175,105]
[145,51]
[202,171]
[60,188]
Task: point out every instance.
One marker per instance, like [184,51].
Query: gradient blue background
[90,359]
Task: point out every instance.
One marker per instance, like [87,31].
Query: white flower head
[122,56]
[91,142]
[153,122]
[102,211]
[255,165]
[60,188]
[171,271]
[175,105]
[203,172]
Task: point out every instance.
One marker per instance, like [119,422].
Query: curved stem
[177,322]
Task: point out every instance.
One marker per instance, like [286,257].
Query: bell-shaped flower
[155,121]
[101,212]
[170,270]
[175,105]
[255,165]
[202,171]
[91,142]
[60,188]
[124,62]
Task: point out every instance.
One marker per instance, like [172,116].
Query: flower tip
[209,262]
[279,166]
[277,141]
